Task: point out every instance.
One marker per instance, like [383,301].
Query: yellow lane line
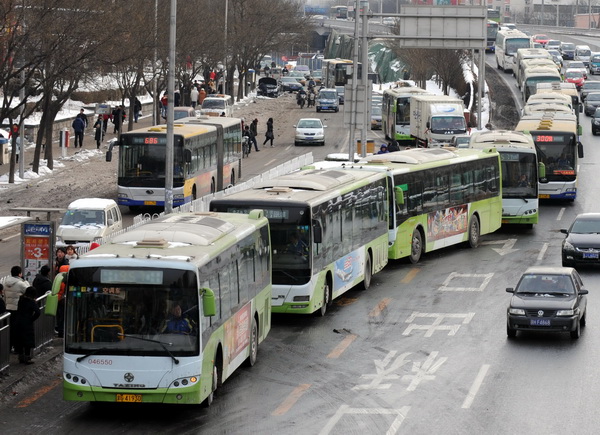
[39,393]
[382,305]
[291,399]
[410,275]
[340,348]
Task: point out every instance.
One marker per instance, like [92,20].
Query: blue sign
[36,229]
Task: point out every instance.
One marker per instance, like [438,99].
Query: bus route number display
[131,276]
[147,140]
[546,138]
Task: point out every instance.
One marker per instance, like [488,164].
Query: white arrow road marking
[506,249]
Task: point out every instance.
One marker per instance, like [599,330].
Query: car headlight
[567,246]
[516,311]
[565,312]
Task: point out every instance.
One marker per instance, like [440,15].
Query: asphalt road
[423,351]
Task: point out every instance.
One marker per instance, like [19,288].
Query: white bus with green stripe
[166,312]
[341,220]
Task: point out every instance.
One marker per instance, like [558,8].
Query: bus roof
[309,186]
[419,158]
[550,97]
[550,121]
[210,120]
[178,128]
[178,237]
[501,139]
[403,91]
[554,106]
[561,87]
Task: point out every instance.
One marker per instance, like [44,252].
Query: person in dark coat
[79,127]
[27,313]
[42,282]
[100,131]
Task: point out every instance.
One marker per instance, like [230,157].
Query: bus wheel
[326,300]
[474,232]
[211,397]
[368,273]
[253,344]
[416,247]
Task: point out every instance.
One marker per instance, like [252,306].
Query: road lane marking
[560,214]
[399,414]
[475,387]
[291,399]
[468,277]
[39,393]
[382,305]
[410,275]
[340,348]
[540,256]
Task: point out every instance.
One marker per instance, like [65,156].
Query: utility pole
[170,112]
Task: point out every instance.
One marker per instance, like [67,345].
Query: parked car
[289,84]
[547,299]
[376,113]
[589,86]
[592,102]
[310,131]
[87,220]
[180,112]
[576,77]
[268,87]
[567,49]
[582,244]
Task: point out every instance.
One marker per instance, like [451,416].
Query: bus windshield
[513,44]
[557,152]
[518,175]
[142,161]
[126,311]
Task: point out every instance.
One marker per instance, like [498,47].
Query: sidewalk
[20,377]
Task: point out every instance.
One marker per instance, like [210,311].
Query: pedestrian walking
[137,109]
[27,313]
[78,127]
[118,115]
[194,94]
[42,282]
[164,102]
[269,134]
[83,116]
[100,131]
[177,98]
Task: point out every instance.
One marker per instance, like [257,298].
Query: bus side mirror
[209,306]
[541,170]
[399,193]
[188,156]
[580,149]
[52,298]
[317,232]
[109,156]
[579,129]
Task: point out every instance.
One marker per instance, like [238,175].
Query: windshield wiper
[153,341]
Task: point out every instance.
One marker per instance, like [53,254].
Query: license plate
[130,398]
[544,196]
[593,255]
[540,322]
[149,202]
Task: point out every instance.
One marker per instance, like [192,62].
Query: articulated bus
[329,232]
[166,312]
[396,113]
[441,197]
[207,158]
[492,32]
[507,44]
[556,140]
[520,204]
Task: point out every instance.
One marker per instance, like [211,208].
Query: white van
[217,105]
[583,53]
[87,220]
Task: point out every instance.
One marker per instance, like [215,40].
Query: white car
[577,65]
[310,131]
[553,44]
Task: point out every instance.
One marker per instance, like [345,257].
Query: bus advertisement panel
[166,312]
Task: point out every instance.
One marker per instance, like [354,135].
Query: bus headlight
[184,382]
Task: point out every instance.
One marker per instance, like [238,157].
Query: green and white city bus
[441,197]
[166,312]
[328,231]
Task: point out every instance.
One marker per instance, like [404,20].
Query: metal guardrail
[4,343]
[44,325]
